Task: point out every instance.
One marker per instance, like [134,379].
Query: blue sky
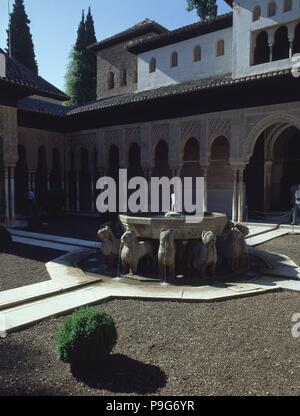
[54,24]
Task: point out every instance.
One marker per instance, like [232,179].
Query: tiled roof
[42,107]
[212,83]
[142,28]
[17,74]
[178,35]
[175,90]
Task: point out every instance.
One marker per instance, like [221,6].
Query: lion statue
[202,255]
[231,245]
[133,251]
[167,253]
[110,246]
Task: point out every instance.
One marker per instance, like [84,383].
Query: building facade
[214,99]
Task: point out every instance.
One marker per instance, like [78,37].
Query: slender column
[6,185]
[271,52]
[67,192]
[267,185]
[241,196]
[29,181]
[48,181]
[33,178]
[93,204]
[271,43]
[205,175]
[62,181]
[12,194]
[234,196]
[77,193]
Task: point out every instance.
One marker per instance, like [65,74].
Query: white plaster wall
[187,69]
[243,26]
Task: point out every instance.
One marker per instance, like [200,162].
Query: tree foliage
[82,68]
[19,38]
[206,9]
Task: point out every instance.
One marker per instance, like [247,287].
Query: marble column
[12,194]
[29,181]
[93,188]
[67,190]
[33,178]
[6,186]
[267,185]
[235,196]
[48,182]
[77,193]
[205,200]
[241,204]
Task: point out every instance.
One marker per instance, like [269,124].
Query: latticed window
[152,65]
[220,48]
[256,13]
[111,81]
[123,79]
[272,8]
[174,59]
[288,5]
[197,53]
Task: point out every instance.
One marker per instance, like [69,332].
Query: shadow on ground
[121,374]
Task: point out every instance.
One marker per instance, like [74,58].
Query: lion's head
[129,238]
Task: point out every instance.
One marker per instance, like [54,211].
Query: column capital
[237,165]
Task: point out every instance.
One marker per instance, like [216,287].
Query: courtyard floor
[236,347]
[22,265]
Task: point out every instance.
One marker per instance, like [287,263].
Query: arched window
[197,53]
[261,50]
[123,78]
[287,5]
[296,43]
[174,59]
[111,81]
[220,48]
[152,65]
[281,47]
[256,13]
[272,8]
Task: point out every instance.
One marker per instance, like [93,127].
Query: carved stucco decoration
[263,123]
[159,132]
[8,132]
[219,127]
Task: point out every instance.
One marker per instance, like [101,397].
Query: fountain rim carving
[149,226]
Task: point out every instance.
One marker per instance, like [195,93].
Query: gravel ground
[22,265]
[288,245]
[238,347]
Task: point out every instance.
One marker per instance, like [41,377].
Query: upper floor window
[281,45]
[111,81]
[288,5]
[174,59]
[152,65]
[123,78]
[256,13]
[272,8]
[197,53]
[262,49]
[135,76]
[220,48]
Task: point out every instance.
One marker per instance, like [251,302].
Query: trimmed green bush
[5,237]
[88,336]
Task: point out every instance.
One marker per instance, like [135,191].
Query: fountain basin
[149,227]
